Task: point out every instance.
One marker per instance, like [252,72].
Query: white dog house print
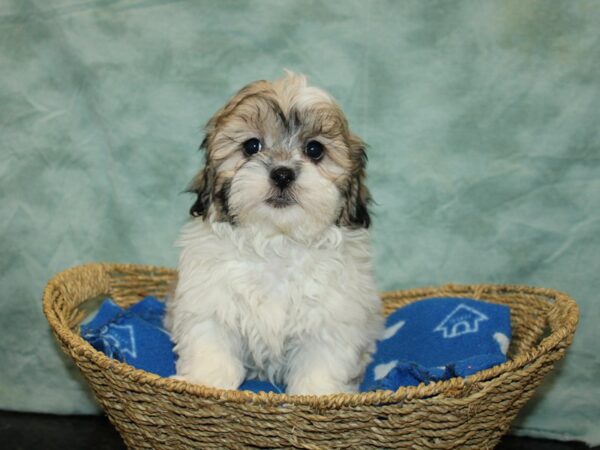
[462,320]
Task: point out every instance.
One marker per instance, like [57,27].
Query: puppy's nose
[282,177]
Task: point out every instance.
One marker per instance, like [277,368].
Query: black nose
[282,177]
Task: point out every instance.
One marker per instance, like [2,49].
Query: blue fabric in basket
[429,340]
[436,339]
[134,336]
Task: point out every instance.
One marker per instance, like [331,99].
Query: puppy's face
[280,156]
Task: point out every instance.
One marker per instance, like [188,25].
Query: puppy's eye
[252,146]
[314,150]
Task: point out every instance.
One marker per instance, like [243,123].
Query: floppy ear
[201,186]
[355,212]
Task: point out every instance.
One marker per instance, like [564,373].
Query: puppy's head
[280,155]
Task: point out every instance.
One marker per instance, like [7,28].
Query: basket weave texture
[151,412]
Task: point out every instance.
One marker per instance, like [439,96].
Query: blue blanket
[429,340]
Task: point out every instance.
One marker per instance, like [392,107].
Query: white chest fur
[272,294]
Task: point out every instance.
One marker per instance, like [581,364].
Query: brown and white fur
[274,275]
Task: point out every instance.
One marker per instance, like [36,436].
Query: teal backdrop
[482,119]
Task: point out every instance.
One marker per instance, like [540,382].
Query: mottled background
[482,120]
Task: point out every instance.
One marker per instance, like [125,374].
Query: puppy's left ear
[355,212]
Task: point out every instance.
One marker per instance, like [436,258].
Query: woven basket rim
[565,306]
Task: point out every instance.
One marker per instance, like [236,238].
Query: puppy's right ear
[201,186]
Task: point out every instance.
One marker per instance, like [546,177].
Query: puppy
[274,275]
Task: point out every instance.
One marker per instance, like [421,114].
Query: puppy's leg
[209,355]
[319,368]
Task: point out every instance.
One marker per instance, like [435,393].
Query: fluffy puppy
[274,275]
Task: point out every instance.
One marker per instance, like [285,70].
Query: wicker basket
[152,412]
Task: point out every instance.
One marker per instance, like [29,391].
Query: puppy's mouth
[281,200]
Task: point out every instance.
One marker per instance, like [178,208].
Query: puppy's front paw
[220,371]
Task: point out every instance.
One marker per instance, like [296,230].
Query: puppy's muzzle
[282,177]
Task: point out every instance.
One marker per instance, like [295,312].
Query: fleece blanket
[429,340]
[481,119]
